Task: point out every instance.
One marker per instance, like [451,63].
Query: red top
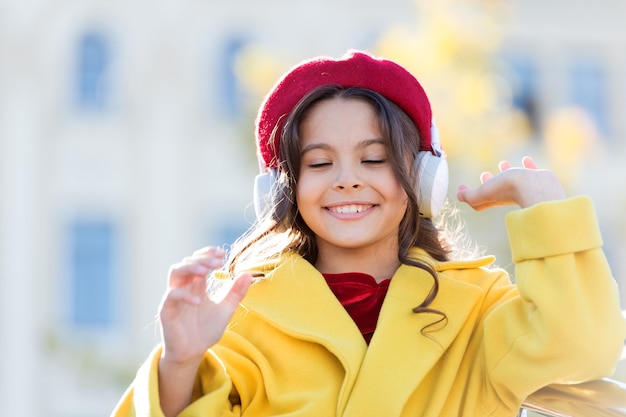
[361,296]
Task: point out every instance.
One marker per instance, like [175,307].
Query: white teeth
[349,209]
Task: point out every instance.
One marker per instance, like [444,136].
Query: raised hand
[191,321]
[522,186]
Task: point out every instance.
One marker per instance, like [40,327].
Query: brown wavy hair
[282,229]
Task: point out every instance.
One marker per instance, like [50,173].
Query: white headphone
[431,168]
[264,184]
[432,171]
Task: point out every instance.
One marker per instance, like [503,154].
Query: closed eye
[374,161]
[319,165]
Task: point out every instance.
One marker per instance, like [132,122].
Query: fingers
[522,186]
[493,193]
[183,273]
[240,287]
[479,198]
[199,264]
[223,303]
[528,162]
[210,256]
[485,176]
[191,293]
[176,299]
[504,165]
[192,320]
[228,297]
[210,251]
[232,292]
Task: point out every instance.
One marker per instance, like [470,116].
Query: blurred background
[126,142]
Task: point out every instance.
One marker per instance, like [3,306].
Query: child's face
[347,192]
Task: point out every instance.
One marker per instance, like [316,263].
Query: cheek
[405,201]
[391,186]
[309,195]
[308,184]
[400,196]
[304,191]
[305,203]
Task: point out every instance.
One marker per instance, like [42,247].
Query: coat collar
[404,348]
[295,297]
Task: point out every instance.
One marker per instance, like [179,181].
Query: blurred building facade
[125,136]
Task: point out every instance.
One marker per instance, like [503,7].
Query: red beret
[355,69]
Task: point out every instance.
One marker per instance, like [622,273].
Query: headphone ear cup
[262,193]
[432,187]
[264,184]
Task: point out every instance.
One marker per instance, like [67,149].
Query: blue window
[228,232]
[523,82]
[93,60]
[587,89]
[230,89]
[92,260]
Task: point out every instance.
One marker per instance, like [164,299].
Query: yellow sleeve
[142,397]
[566,325]
[211,392]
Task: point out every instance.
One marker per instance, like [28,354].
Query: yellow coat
[292,350]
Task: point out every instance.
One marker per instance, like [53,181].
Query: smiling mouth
[350,209]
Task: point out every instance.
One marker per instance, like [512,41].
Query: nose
[347,178]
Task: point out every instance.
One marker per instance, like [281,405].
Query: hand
[523,186]
[191,320]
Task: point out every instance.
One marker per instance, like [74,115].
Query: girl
[359,305]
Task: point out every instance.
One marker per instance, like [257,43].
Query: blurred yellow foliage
[452,50]
[257,70]
[570,136]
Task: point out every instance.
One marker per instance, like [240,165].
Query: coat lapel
[295,297]
[400,356]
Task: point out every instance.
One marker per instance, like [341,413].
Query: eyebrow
[324,146]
